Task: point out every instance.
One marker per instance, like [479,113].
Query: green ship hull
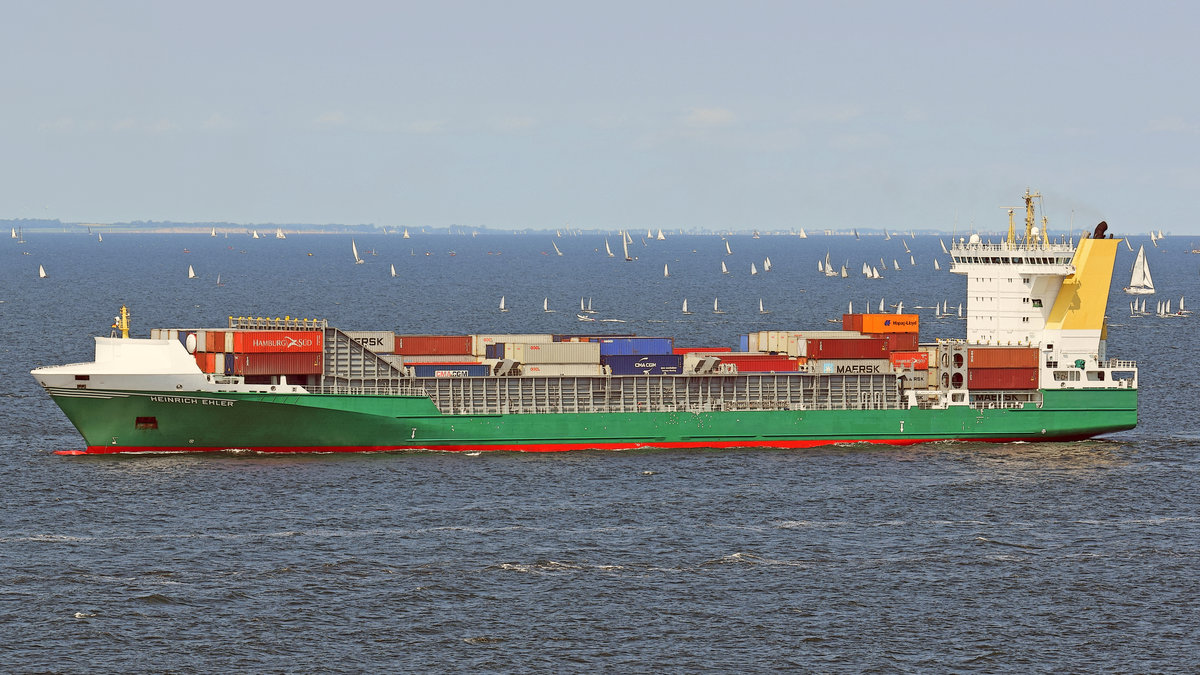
[143,421]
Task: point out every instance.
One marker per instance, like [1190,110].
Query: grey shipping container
[553,352]
[850,366]
[376,341]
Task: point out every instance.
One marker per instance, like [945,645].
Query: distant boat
[354,250]
[900,307]
[936,266]
[803,234]
[724,269]
[14,233]
[42,272]
[279,233]
[556,248]
[685,309]
[191,272]
[219,280]
[1140,282]
[607,249]
[581,317]
[405,234]
[844,272]
[761,310]
[753,269]
[213,233]
[666,273]
[943,247]
[255,235]
[502,307]
[588,309]
[393,271]
[912,261]
[906,250]
[625,244]
[874,274]
[546,305]
[660,236]
[886,237]
[715,309]
[856,234]
[829,271]
[755,235]
[895,265]
[1128,246]
[99,237]
[727,251]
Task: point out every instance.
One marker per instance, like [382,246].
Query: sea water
[950,556]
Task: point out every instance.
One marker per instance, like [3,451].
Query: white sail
[960,310]
[767,264]
[881,305]
[866,270]
[829,271]
[14,233]
[625,243]
[502,307]
[1127,244]
[99,237]
[666,272]
[213,233]
[895,264]
[191,272]
[803,234]
[607,249]
[546,305]
[875,273]
[354,250]
[912,261]
[393,270]
[255,235]
[1140,282]
[218,279]
[886,236]
[685,309]
[725,270]
[936,266]
[727,251]
[943,247]
[850,309]
[900,307]
[556,248]
[660,236]
[844,272]
[753,269]
[715,309]
[279,233]
[761,310]
[820,266]
[42,272]
[405,234]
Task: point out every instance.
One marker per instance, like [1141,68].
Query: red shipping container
[1002,378]
[214,341]
[277,364]
[706,350]
[1002,357]
[200,362]
[852,322]
[210,363]
[449,345]
[763,363]
[850,348]
[901,342]
[913,360]
[278,341]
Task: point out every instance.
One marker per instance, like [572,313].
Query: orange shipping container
[913,360]
[278,341]
[214,341]
[1002,378]
[889,323]
[210,363]
[1002,357]
[277,364]
[433,344]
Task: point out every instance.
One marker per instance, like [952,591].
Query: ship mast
[121,322]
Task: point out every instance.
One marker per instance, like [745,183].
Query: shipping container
[850,366]
[228,369]
[278,342]
[1002,357]
[199,357]
[433,344]
[644,364]
[480,343]
[1002,378]
[202,341]
[375,341]
[762,363]
[219,362]
[915,379]
[852,322]
[214,341]
[451,370]
[210,362]
[851,348]
[553,352]
[635,345]
[743,343]
[910,360]
[410,359]
[900,342]
[583,337]
[276,363]
[701,350]
[563,369]
[890,323]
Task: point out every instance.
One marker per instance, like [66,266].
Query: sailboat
[753,269]
[895,264]
[912,261]
[393,271]
[666,272]
[213,233]
[191,272]
[625,244]
[727,251]
[14,233]
[725,270]
[761,310]
[866,270]
[219,280]
[1127,245]
[279,233]
[1140,282]
[99,237]
[255,235]
[900,307]
[546,305]
[820,266]
[803,234]
[844,272]
[660,236]
[42,272]
[767,264]
[829,271]
[556,248]
[588,309]
[943,247]
[936,266]
[354,250]
[960,310]
[607,249]
[685,309]
[881,305]
[502,307]
[715,310]
[405,236]
[906,250]
[875,273]
[886,236]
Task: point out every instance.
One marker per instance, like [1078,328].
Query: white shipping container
[916,379]
[563,369]
[851,366]
[229,341]
[752,342]
[201,336]
[376,341]
[479,343]
[219,369]
[553,352]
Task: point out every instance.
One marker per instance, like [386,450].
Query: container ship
[1033,367]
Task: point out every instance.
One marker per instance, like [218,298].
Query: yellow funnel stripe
[1083,298]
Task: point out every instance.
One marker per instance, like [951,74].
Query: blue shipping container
[229,364]
[451,369]
[635,345]
[644,364]
[744,343]
[494,351]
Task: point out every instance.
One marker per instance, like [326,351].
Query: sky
[693,115]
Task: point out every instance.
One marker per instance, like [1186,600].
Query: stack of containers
[566,359]
[866,346]
[272,352]
[438,355]
[913,367]
[639,356]
[1003,368]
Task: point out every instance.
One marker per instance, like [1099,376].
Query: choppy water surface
[1074,556]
